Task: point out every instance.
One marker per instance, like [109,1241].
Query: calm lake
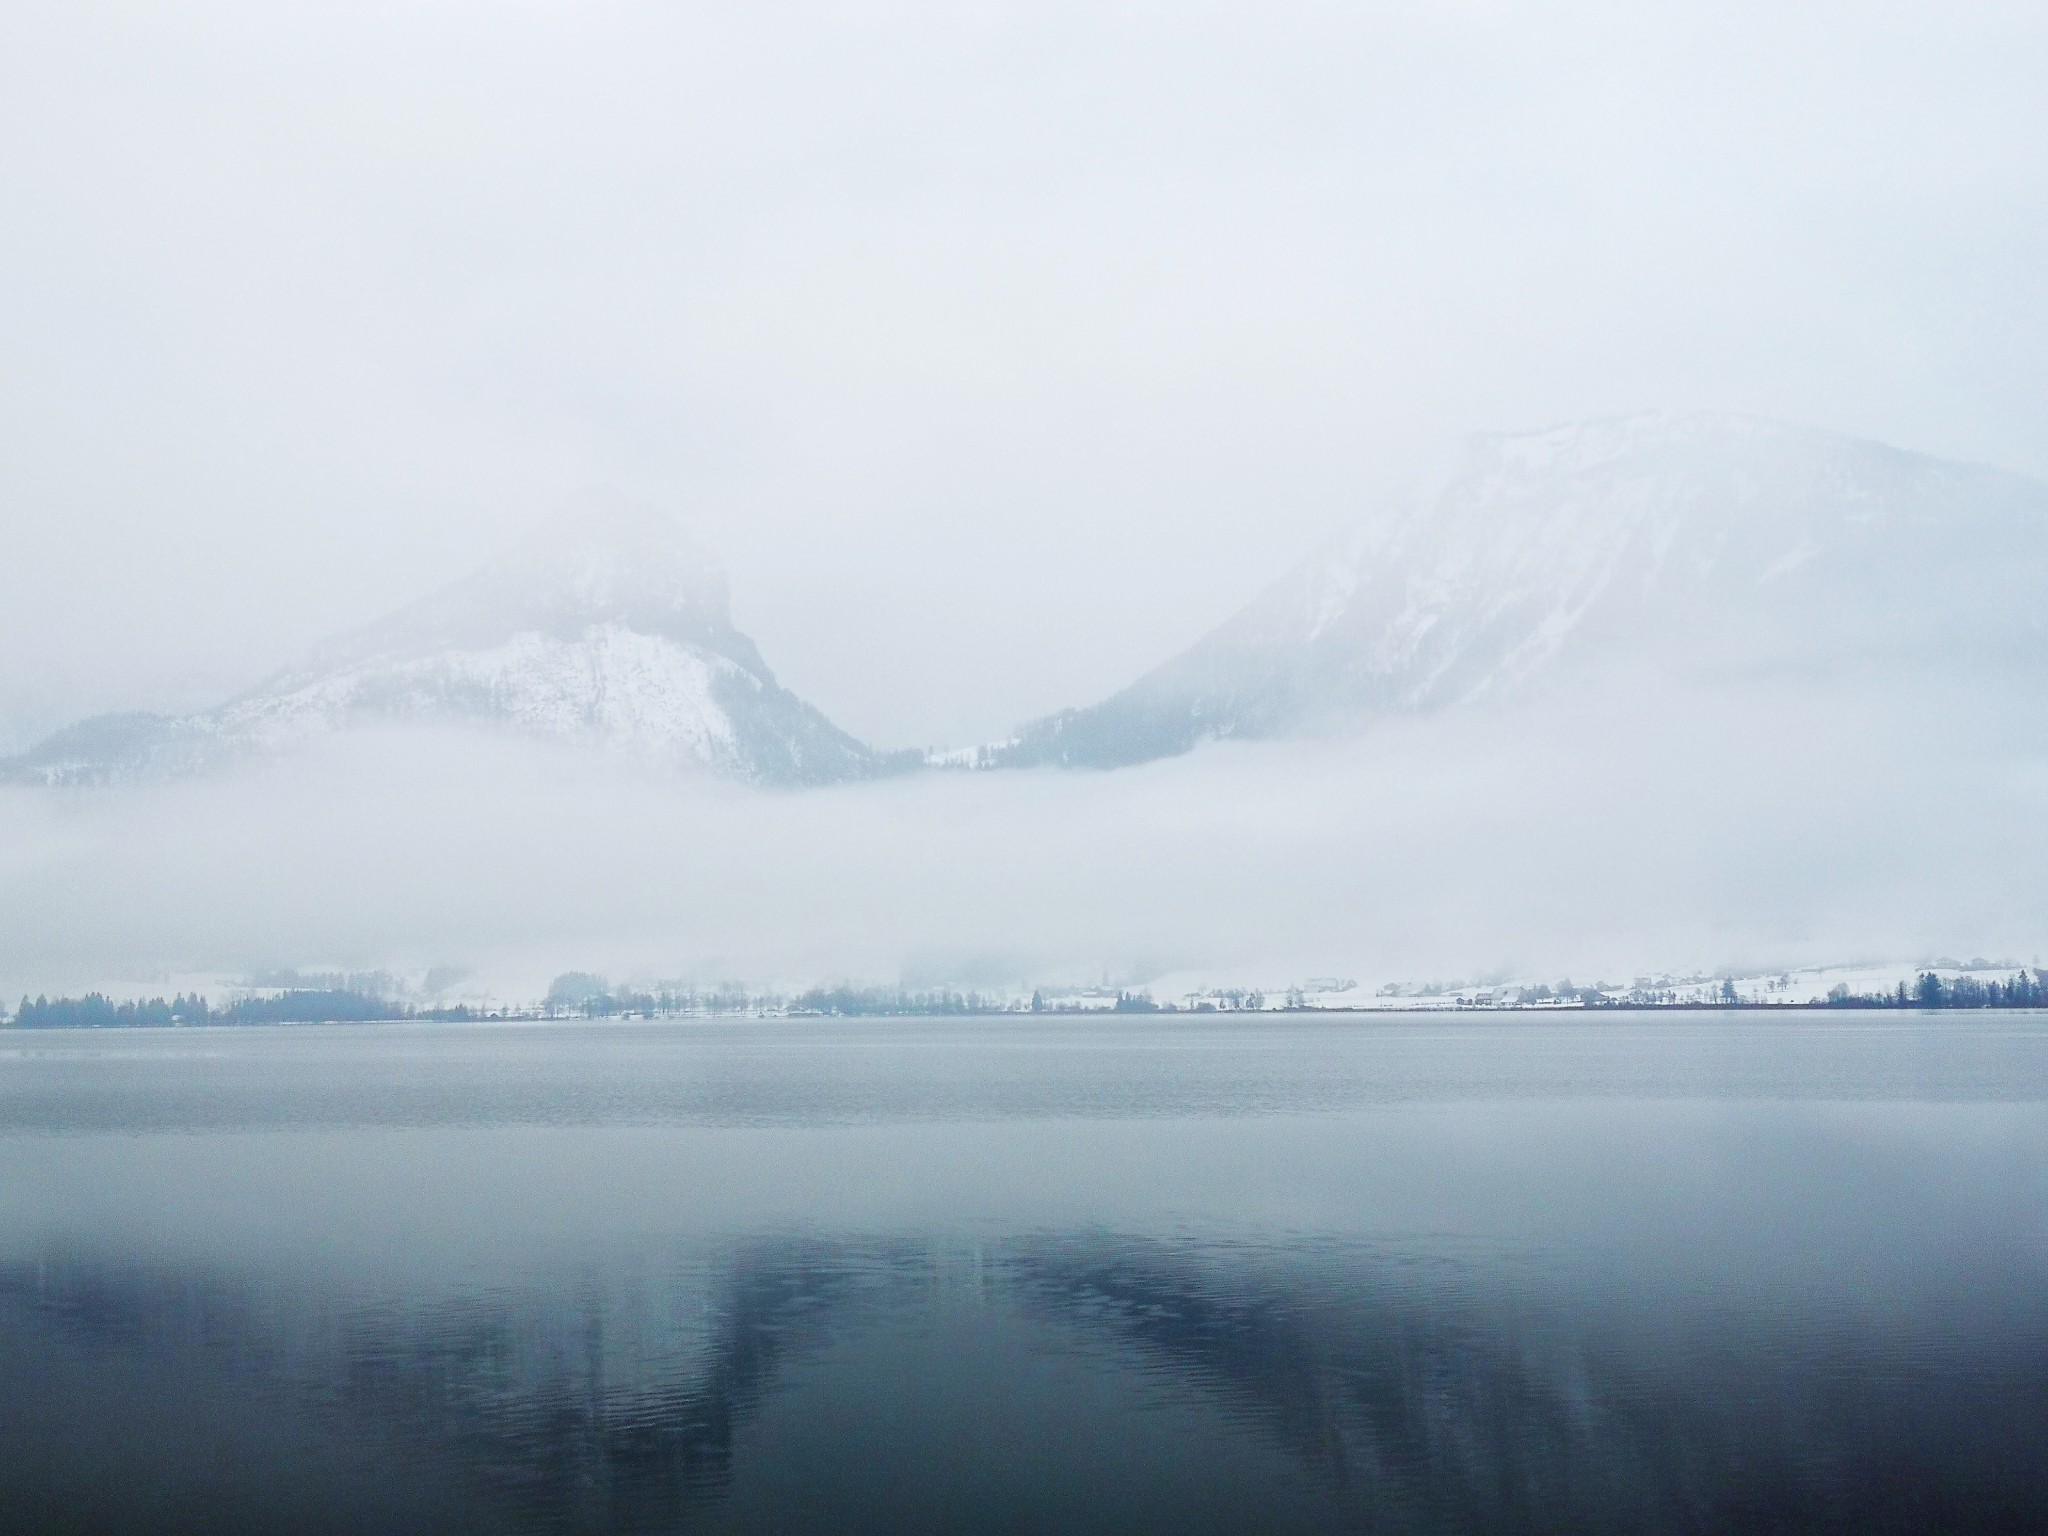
[1672,1272]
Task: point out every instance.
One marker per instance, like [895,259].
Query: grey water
[1671,1272]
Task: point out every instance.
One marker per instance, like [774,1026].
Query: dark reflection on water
[1436,1411]
[1567,1314]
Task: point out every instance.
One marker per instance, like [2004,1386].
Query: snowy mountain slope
[609,630]
[1679,550]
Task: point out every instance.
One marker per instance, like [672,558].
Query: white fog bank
[1603,839]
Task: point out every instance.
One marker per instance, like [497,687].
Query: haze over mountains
[1632,556]
[1661,694]
[1652,551]
[609,630]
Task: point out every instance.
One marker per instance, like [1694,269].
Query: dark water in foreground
[1663,1273]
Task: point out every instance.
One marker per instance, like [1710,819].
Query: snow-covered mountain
[1672,549]
[608,629]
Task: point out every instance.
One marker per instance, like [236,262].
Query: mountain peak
[605,554]
[1687,548]
[607,627]
[602,560]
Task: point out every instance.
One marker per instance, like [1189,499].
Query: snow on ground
[1199,992]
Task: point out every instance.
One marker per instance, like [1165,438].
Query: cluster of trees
[664,1004]
[858,1002]
[2022,989]
[1233,998]
[583,994]
[96,1011]
[314,1007]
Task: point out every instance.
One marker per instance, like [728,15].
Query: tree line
[869,1002]
[341,1005]
[97,1011]
[2023,989]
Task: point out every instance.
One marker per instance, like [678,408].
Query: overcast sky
[1001,349]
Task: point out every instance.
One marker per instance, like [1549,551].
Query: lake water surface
[1290,1273]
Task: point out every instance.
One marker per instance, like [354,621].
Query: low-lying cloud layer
[1604,836]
